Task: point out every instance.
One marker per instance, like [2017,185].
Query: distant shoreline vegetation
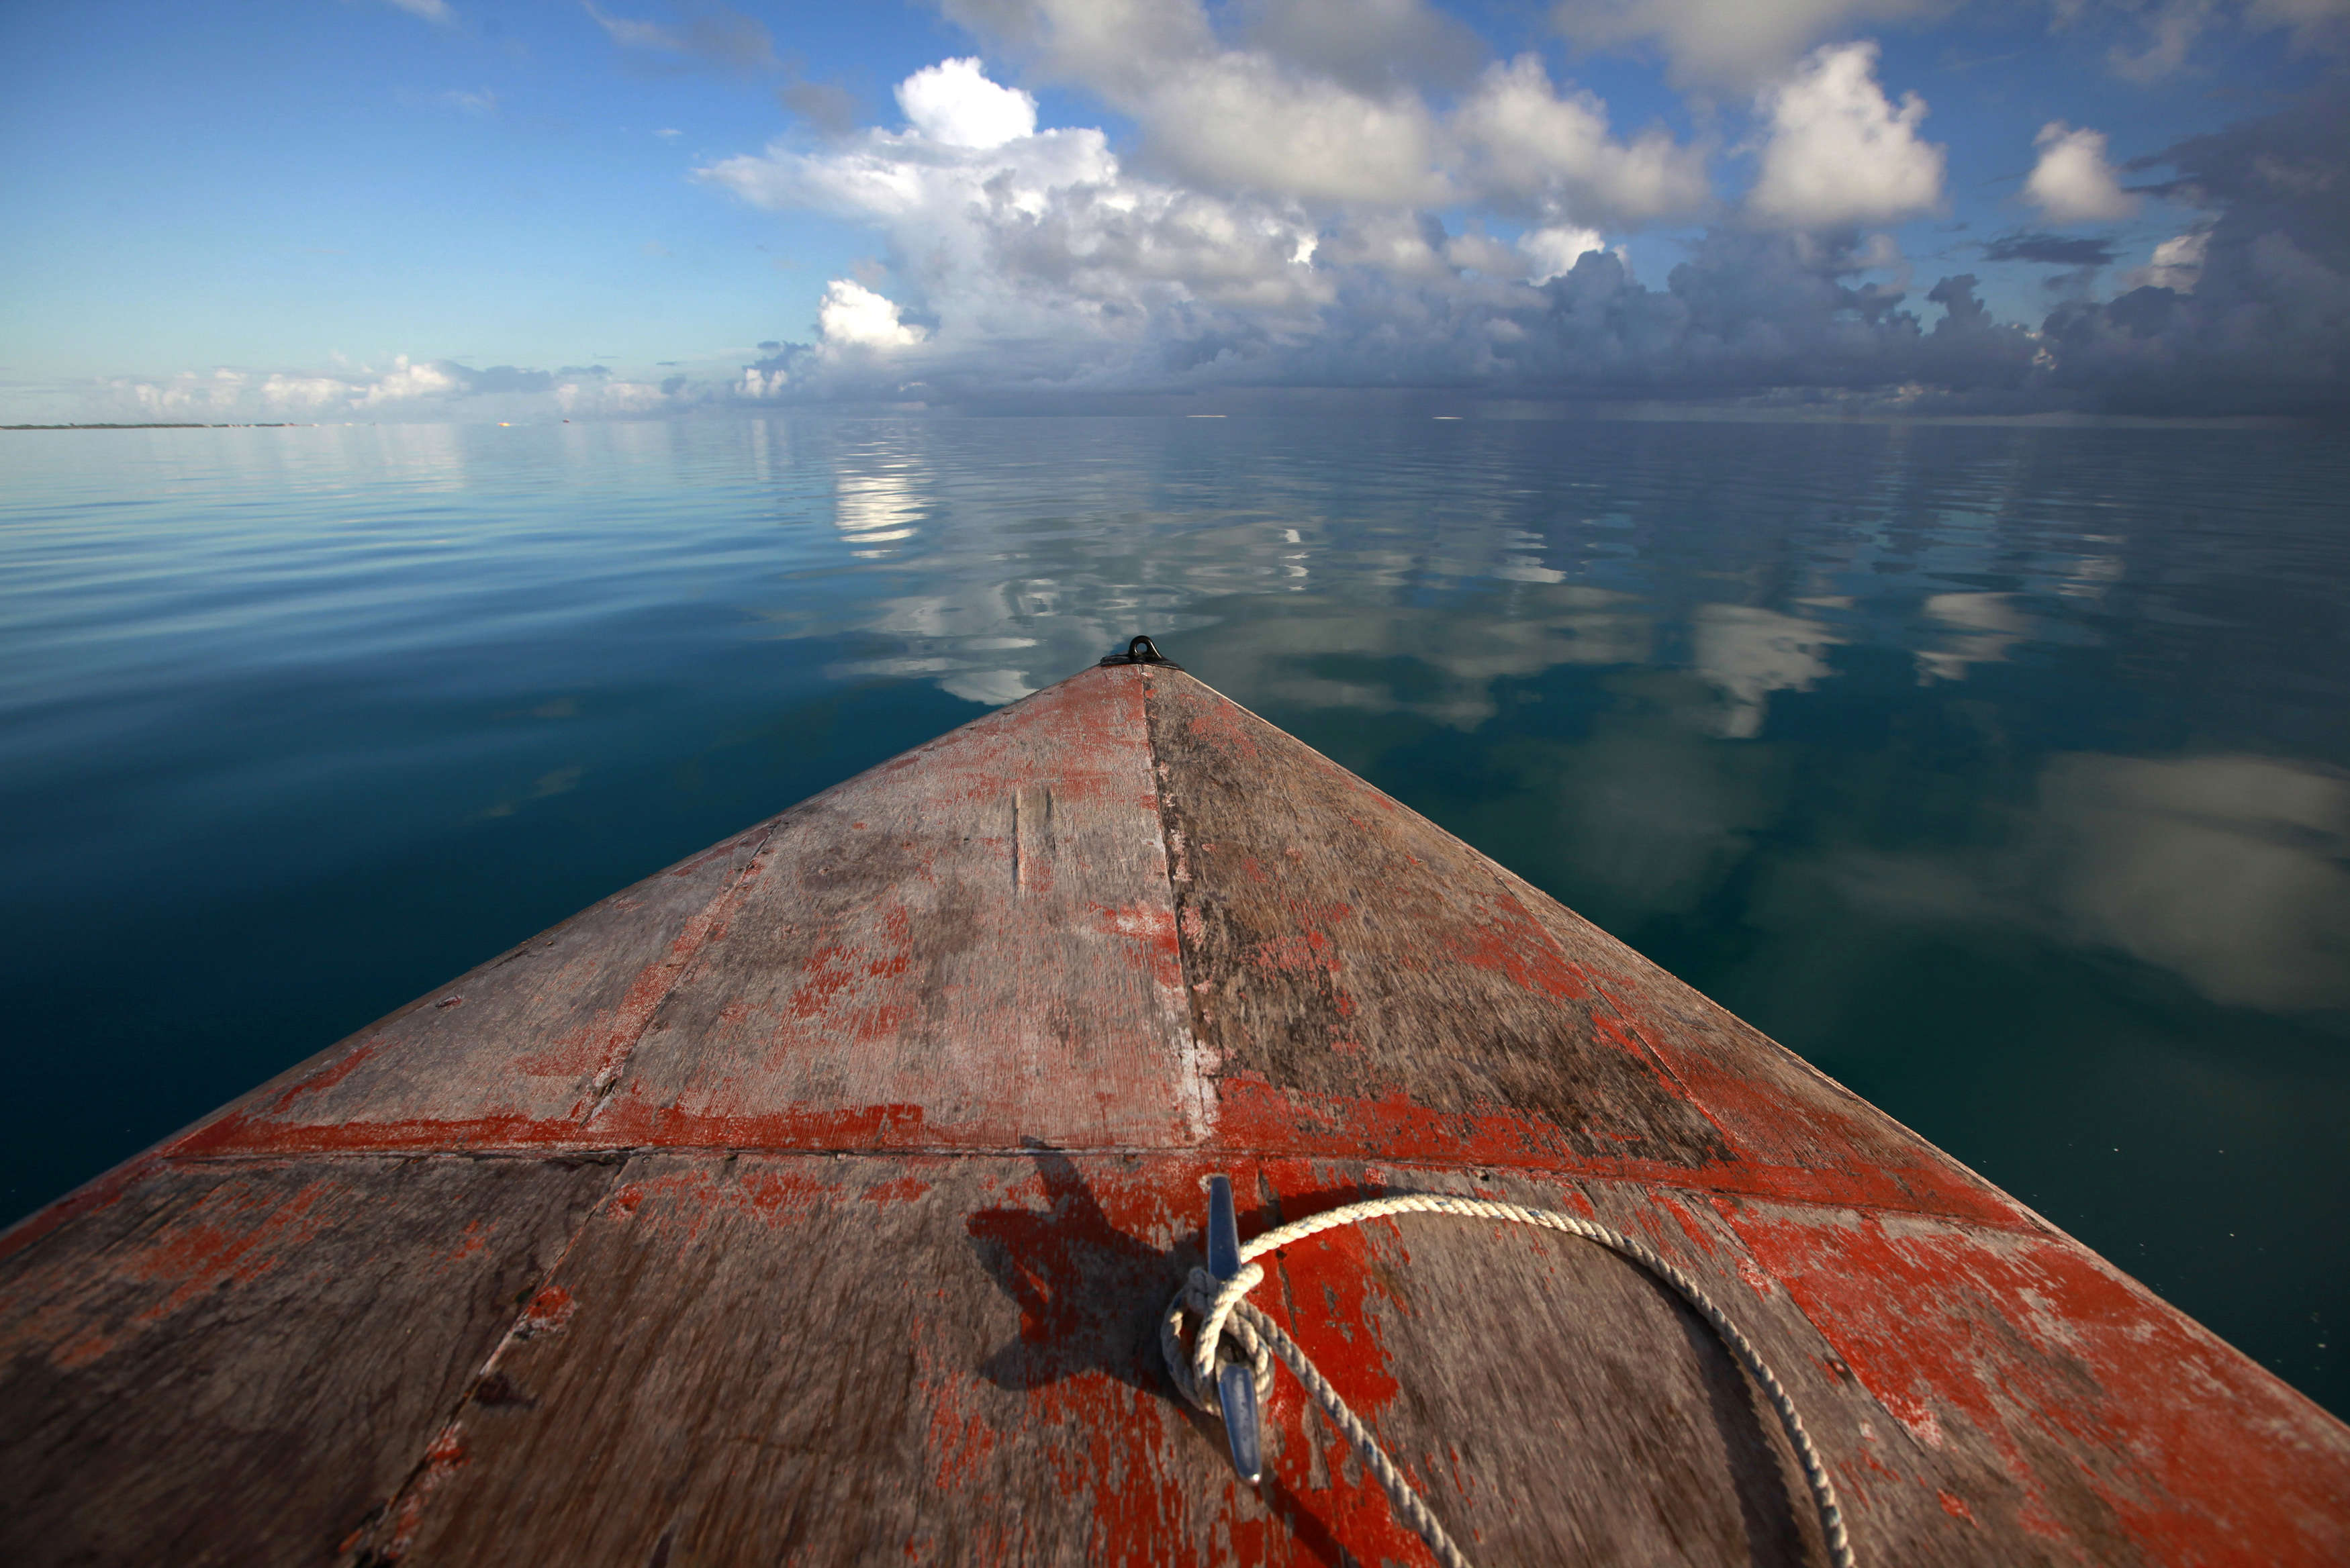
[1349,403]
[159,425]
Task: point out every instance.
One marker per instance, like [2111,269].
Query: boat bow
[816,1198]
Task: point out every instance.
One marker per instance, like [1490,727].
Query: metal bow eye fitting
[1142,650]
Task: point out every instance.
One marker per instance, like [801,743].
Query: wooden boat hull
[816,1198]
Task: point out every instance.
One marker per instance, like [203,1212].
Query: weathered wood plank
[809,1358]
[799,1358]
[973,946]
[236,1365]
[514,1053]
[1365,983]
[2121,1427]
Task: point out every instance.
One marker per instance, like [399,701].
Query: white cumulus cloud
[405,381]
[2072,182]
[1048,264]
[1839,152]
[1554,251]
[2178,264]
[954,104]
[1042,245]
[1323,104]
[1237,122]
[1038,251]
[1116,48]
[1306,206]
[854,317]
[1525,141]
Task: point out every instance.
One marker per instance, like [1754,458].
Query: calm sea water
[2001,772]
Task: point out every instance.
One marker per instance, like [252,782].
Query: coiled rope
[1225,1313]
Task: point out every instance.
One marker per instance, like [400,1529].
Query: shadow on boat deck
[1089,1294]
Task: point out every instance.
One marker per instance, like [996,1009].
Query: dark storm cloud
[1747,313]
[2266,324]
[2052,249]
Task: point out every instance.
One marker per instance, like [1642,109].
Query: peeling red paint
[1254,1115]
[1152,927]
[1697,1234]
[961,1437]
[100,1192]
[229,1237]
[2009,1332]
[1512,943]
[904,1189]
[442,1460]
[1222,728]
[830,971]
[850,1127]
[327,1078]
[628,1020]
[1115,1459]
[237,1134]
[475,1242]
[547,1313]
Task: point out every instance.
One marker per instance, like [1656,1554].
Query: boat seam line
[377,1539]
[617,1154]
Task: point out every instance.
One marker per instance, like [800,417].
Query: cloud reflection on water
[1750,652]
[1971,629]
[2233,871]
[1455,598]
[2226,871]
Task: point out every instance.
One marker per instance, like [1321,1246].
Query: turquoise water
[2000,771]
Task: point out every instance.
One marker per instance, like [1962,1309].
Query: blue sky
[437,208]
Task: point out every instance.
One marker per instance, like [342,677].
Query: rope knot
[1226,1320]
[1192,1368]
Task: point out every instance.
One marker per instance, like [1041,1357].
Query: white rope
[1222,1312]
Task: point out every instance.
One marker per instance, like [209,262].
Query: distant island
[278,425]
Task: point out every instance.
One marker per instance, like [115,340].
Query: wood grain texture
[2111,1425]
[1338,944]
[1364,982]
[729,1386]
[236,1365]
[807,1358]
[971,946]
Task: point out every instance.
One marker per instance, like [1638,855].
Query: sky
[404,210]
